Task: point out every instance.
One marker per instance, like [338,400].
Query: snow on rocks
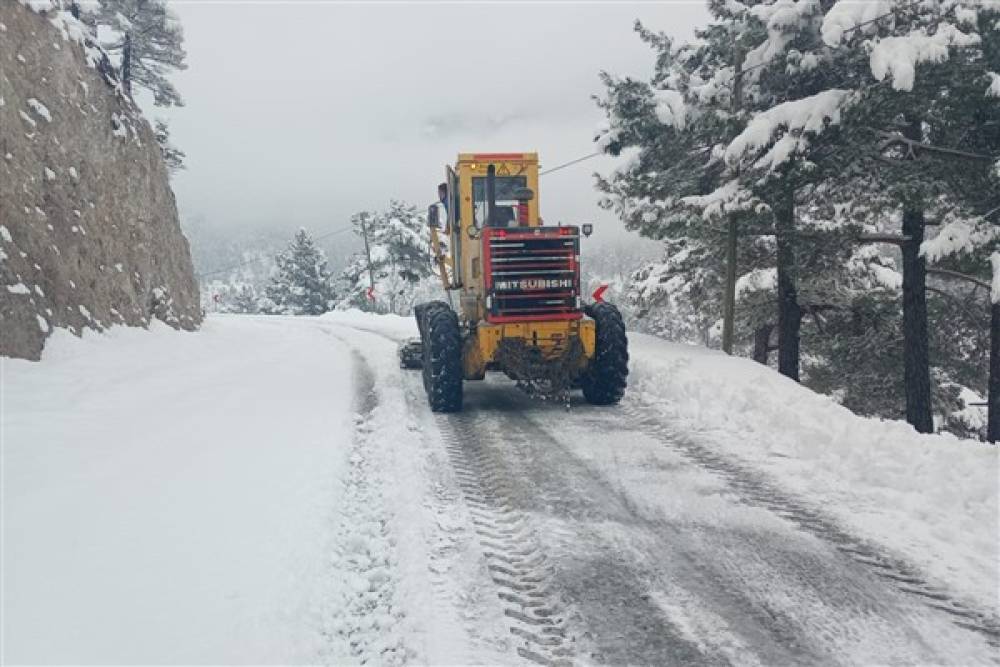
[19,288]
[40,109]
[40,5]
[28,119]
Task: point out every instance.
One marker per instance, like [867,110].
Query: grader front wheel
[604,381]
[442,343]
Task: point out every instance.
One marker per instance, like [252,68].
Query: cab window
[506,186]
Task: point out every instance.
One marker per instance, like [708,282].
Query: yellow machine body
[550,337]
[461,268]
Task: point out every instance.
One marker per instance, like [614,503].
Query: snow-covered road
[275,490]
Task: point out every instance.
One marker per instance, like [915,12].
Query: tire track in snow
[757,491]
[361,622]
[730,593]
[506,520]
[593,536]
[453,617]
[515,561]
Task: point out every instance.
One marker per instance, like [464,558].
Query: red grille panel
[532,273]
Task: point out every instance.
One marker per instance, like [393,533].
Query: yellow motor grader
[517,286]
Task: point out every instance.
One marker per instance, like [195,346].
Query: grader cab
[514,301]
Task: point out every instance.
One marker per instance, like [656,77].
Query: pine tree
[172,156]
[917,115]
[245,300]
[301,284]
[399,245]
[150,42]
[848,126]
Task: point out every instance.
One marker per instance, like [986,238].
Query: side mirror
[587,228]
[432,216]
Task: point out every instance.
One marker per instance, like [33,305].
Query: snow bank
[930,498]
[394,326]
[167,497]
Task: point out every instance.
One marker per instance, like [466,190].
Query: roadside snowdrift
[169,498]
[930,498]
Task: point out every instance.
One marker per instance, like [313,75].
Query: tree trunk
[916,360]
[993,400]
[789,312]
[762,343]
[127,64]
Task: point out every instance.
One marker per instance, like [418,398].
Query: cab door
[454,225]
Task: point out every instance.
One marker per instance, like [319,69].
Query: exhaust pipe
[491,196]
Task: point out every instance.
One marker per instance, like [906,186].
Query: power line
[570,163]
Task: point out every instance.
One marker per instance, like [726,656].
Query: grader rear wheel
[604,381]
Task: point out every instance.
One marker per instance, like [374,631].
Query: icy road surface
[275,490]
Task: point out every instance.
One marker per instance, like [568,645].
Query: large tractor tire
[443,374]
[420,313]
[605,379]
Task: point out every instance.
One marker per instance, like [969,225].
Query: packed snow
[274,490]
[167,497]
[930,498]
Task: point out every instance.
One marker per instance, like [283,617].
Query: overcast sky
[301,113]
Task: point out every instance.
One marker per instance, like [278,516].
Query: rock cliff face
[89,235]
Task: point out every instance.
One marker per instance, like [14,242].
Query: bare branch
[959,276]
[896,239]
[896,139]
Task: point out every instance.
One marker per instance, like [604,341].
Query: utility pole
[368,254]
[729,295]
